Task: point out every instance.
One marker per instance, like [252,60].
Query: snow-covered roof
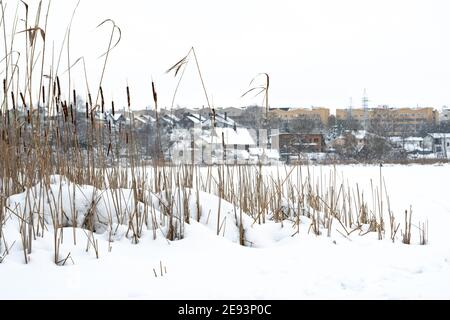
[100,116]
[439,135]
[220,118]
[139,119]
[170,118]
[148,118]
[409,144]
[145,119]
[196,118]
[116,117]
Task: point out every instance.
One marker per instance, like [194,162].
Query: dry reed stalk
[423,233]
[407,232]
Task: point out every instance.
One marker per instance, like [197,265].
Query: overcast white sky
[317,52]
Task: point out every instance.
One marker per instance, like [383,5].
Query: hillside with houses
[249,135]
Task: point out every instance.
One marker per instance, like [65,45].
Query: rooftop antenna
[365,105]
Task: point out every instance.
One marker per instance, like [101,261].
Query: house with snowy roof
[411,145]
[220,120]
[116,118]
[190,120]
[143,120]
[170,119]
[215,145]
[439,143]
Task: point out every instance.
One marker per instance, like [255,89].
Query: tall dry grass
[42,136]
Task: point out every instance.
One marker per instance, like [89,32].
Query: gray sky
[317,52]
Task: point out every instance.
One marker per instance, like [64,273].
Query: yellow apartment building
[393,120]
[315,114]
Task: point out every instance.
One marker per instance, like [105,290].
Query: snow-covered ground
[278,265]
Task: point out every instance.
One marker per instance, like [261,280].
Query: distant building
[439,143]
[220,120]
[411,145]
[230,138]
[314,114]
[233,112]
[296,143]
[211,146]
[141,121]
[190,120]
[116,119]
[392,121]
[444,115]
[358,139]
[170,119]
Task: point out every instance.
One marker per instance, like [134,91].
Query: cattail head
[155,95]
[24,105]
[59,87]
[102,100]
[87,111]
[13,100]
[223,140]
[71,114]
[43,95]
[112,107]
[65,111]
[128,97]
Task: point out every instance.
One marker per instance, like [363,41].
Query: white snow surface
[274,264]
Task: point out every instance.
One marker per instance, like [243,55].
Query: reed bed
[59,156]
